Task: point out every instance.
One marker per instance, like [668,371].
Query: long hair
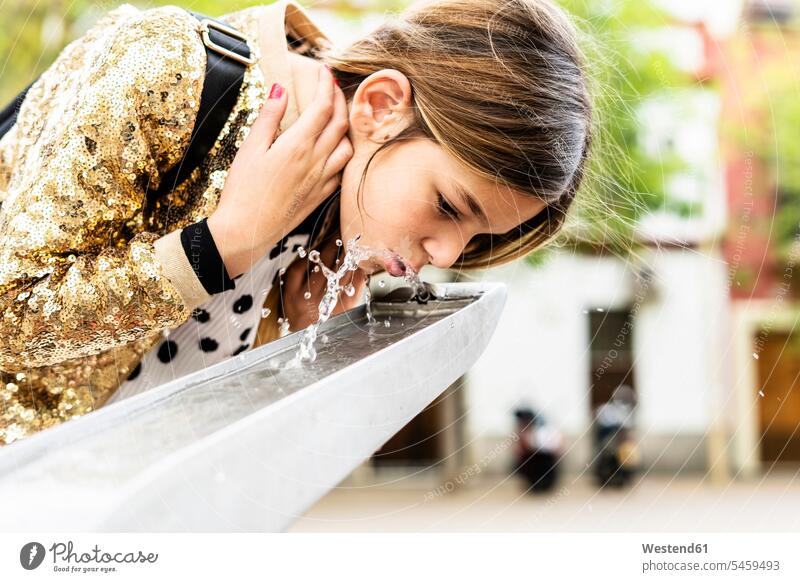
[499,85]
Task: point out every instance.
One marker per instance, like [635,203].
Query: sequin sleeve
[103,122]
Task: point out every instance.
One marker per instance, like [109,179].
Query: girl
[454,135]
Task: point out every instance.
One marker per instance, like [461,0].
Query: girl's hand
[300,278]
[272,186]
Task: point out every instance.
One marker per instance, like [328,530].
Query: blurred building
[764,356]
[698,328]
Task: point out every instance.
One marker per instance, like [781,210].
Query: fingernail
[327,66]
[276,91]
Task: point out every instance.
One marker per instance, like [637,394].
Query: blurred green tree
[32,33]
[623,182]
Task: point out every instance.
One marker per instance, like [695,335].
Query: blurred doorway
[779,398]
[610,346]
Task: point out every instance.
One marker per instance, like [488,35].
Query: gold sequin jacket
[90,273]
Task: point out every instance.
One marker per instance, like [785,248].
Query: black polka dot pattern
[278,249]
[136,371]
[208,344]
[224,327]
[242,304]
[201,315]
[167,351]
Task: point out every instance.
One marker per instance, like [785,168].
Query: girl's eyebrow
[475,208]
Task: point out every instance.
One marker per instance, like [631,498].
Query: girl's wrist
[237,244]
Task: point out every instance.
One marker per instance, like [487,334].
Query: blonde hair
[499,84]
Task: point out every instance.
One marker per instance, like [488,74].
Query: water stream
[354,254]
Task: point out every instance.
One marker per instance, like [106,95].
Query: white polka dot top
[223,327]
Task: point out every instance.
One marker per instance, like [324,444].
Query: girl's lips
[395,267]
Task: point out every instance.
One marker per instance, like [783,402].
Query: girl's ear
[381,106]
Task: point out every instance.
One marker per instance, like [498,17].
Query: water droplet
[755,355]
[381,283]
[600,309]
[354,254]
[307,294]
[265,312]
[165,332]
[338,242]
[282,271]
[301,251]
[281,282]
[761,393]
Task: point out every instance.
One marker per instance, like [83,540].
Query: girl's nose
[443,253]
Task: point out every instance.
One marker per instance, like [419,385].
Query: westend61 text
[670,549]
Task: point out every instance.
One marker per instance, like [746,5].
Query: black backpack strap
[228,56]
[8,116]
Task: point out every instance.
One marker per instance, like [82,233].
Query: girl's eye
[444,207]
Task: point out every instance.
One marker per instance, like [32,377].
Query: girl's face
[417,201]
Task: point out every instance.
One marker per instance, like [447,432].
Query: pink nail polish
[276,91]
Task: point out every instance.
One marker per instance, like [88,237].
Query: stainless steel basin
[243,446]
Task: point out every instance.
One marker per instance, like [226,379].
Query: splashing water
[368,298]
[354,254]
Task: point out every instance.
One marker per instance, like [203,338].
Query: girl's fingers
[316,116]
[337,125]
[338,159]
[263,130]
